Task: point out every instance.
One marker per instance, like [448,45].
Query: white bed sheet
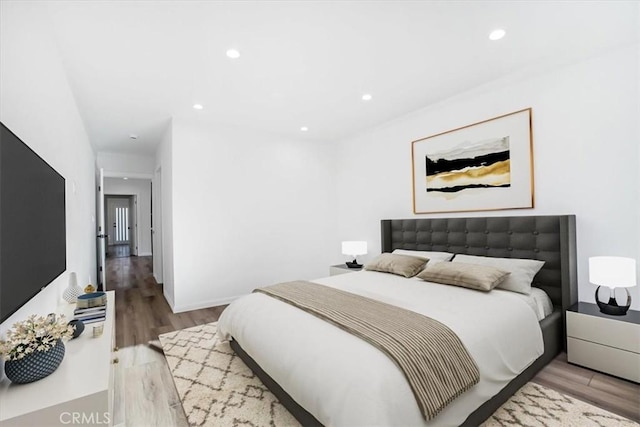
[538,300]
[344,381]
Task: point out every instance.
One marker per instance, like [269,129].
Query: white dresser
[606,343]
[79,392]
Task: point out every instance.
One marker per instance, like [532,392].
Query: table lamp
[612,272]
[354,248]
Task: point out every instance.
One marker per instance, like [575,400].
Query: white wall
[142,189]
[586,141]
[129,165]
[37,104]
[249,209]
[164,169]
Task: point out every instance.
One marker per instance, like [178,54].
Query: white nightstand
[334,270]
[603,342]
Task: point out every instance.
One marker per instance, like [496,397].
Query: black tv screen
[32,223]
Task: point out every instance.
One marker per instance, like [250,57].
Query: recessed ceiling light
[497,34]
[197,106]
[233,54]
[367,97]
[304,129]
[125,178]
[133,136]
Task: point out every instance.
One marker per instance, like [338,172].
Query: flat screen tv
[32,223]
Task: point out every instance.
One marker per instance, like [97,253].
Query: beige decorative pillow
[433,257]
[402,265]
[472,276]
[522,270]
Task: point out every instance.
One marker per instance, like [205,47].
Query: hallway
[142,313]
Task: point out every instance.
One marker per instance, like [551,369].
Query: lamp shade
[612,271]
[354,247]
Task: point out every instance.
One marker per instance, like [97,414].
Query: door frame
[101,260]
[156,226]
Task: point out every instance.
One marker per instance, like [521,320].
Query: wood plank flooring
[115,251]
[142,313]
[143,383]
[613,394]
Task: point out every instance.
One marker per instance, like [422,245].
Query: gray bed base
[548,238]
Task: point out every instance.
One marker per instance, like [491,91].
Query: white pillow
[522,270]
[433,257]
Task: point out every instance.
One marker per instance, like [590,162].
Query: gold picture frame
[483,166]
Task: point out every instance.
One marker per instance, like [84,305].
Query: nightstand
[334,270]
[606,343]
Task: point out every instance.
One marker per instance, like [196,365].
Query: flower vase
[73,291]
[35,366]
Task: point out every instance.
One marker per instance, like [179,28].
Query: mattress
[343,381]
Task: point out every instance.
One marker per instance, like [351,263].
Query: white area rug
[217,389]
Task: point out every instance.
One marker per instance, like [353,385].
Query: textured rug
[217,388]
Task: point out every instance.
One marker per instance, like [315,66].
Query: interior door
[102,281]
[119,217]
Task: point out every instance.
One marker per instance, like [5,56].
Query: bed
[312,369]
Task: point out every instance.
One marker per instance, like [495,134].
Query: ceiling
[134,64]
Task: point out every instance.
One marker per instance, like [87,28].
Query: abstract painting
[482,166]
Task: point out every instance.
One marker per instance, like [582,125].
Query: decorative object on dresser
[612,272]
[337,269]
[606,343]
[90,300]
[483,166]
[91,315]
[354,248]
[78,328]
[73,290]
[34,349]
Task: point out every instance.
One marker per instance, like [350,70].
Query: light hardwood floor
[613,394]
[144,389]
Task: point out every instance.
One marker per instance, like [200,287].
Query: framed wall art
[483,166]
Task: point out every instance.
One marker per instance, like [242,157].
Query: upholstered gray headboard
[551,239]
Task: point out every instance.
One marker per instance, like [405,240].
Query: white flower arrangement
[34,334]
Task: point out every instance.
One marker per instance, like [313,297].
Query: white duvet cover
[344,381]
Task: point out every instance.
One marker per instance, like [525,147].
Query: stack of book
[90,315]
[91,308]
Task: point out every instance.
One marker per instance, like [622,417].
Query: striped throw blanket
[433,359]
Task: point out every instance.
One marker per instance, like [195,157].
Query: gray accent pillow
[522,270]
[472,276]
[402,265]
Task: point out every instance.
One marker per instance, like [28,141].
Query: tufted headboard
[547,238]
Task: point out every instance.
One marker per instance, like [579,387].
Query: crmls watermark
[92,418]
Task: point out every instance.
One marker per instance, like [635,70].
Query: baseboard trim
[169,301]
[145,254]
[204,304]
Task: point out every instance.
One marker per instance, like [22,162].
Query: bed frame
[547,238]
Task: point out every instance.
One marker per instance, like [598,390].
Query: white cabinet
[79,392]
[606,343]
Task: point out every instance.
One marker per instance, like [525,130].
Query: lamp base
[612,306]
[353,264]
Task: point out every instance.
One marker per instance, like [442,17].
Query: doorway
[120,214]
[125,231]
